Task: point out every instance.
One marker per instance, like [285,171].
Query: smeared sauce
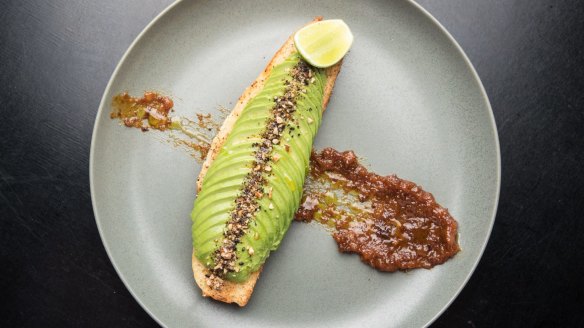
[391,223]
[150,111]
[153,111]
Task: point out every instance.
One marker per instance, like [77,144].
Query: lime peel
[325,43]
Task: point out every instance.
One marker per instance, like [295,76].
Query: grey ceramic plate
[407,99]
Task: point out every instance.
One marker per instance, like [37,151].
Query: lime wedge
[324,43]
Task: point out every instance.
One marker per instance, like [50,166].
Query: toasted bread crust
[232,292]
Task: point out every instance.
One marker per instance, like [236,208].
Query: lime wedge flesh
[323,44]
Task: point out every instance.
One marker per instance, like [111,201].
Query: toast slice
[232,292]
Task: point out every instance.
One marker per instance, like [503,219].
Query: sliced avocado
[224,180]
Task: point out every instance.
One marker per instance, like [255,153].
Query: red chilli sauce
[391,223]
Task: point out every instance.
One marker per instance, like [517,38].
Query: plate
[407,99]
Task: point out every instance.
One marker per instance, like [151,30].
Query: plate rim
[424,12]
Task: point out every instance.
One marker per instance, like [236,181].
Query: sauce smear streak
[154,111]
[391,223]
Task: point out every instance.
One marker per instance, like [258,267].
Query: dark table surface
[57,56]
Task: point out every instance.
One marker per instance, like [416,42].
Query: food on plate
[260,172]
[251,182]
[391,223]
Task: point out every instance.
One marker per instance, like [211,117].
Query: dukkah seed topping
[247,203]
